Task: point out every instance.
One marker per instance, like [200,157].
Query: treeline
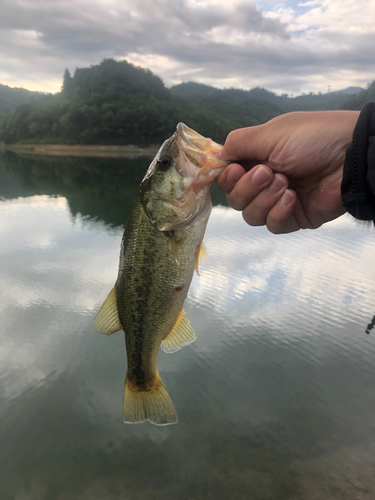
[252,107]
[118,103]
[357,101]
[10,98]
[111,103]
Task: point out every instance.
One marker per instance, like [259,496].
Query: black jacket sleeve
[358,183]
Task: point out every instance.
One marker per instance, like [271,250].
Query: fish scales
[159,252]
[148,275]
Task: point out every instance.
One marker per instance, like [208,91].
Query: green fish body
[159,252]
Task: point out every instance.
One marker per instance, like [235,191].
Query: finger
[256,212]
[229,177]
[300,216]
[280,218]
[249,186]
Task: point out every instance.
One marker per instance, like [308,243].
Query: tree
[67,86]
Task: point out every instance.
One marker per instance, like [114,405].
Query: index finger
[229,176]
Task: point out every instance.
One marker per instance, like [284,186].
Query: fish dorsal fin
[107,320]
[181,334]
[200,256]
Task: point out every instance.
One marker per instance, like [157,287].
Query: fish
[160,249]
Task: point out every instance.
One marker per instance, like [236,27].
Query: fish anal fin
[182,334]
[200,256]
[154,404]
[107,320]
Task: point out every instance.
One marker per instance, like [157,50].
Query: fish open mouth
[197,141]
[201,151]
[192,137]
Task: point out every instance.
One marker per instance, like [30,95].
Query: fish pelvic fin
[107,320]
[182,334]
[154,404]
[200,256]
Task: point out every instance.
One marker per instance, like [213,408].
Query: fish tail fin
[154,404]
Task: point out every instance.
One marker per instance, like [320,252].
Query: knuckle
[231,137]
[253,219]
[222,184]
[274,229]
[275,224]
[229,144]
[279,158]
[281,225]
[235,202]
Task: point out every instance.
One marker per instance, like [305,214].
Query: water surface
[276,398]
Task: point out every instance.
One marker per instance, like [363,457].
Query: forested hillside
[242,108]
[357,101]
[118,103]
[111,103]
[10,98]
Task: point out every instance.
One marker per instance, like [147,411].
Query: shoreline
[81,150]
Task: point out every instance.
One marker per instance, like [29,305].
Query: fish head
[175,189]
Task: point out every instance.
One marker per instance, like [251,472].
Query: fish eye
[165,162]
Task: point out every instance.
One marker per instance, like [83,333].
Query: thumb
[248,143]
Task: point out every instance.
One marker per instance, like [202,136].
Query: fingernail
[233,176]
[286,198]
[277,184]
[260,176]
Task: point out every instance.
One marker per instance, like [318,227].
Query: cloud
[281,46]
[255,277]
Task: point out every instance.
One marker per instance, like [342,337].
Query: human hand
[290,169]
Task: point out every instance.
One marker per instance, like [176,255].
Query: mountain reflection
[275,397]
[97,188]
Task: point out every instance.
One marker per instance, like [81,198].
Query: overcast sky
[284,46]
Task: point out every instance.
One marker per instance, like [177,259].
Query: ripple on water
[281,360]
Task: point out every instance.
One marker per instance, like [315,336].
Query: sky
[285,46]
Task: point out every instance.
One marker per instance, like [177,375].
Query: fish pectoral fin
[200,256]
[107,320]
[182,334]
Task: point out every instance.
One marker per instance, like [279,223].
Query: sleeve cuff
[358,183]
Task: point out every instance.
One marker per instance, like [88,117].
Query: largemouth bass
[159,252]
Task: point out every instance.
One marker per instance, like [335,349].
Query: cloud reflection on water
[281,360]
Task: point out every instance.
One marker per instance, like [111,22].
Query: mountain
[251,107]
[240,107]
[119,103]
[348,90]
[357,101]
[110,103]
[10,98]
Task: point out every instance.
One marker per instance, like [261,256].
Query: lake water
[276,398]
